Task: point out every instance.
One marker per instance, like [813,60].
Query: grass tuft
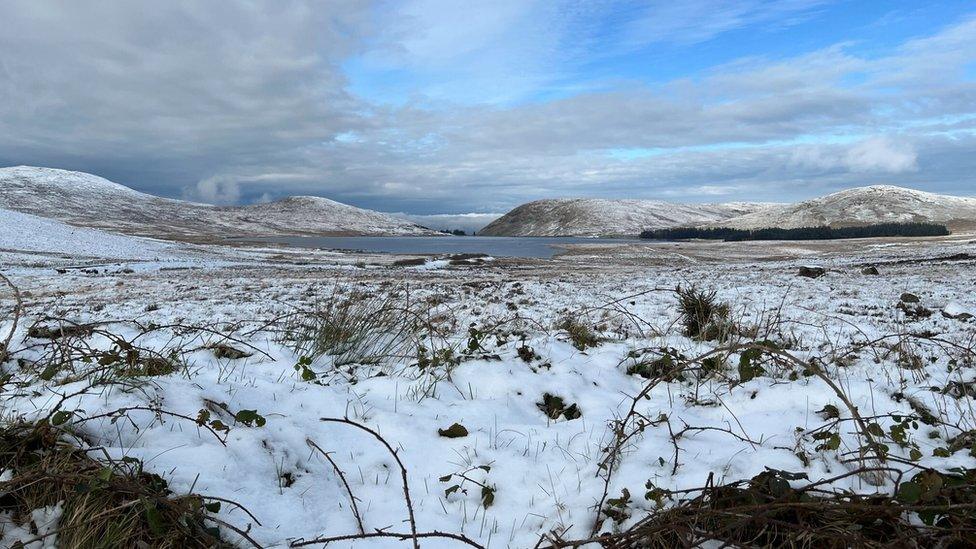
[104,503]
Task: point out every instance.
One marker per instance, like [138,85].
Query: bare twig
[342,477]
[403,471]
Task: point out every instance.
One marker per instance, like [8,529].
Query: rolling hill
[87,200]
[601,217]
[863,206]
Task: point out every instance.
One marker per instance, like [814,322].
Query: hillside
[87,200]
[21,232]
[316,215]
[601,217]
[863,206]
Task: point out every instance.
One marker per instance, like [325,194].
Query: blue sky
[613,44]
[437,106]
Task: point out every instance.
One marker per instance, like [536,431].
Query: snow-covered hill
[600,217]
[21,232]
[863,206]
[315,215]
[91,201]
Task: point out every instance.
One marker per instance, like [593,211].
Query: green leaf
[487,496]
[203,416]
[749,367]
[213,507]
[909,492]
[154,518]
[573,412]
[49,372]
[451,489]
[829,412]
[61,417]
[834,442]
[250,418]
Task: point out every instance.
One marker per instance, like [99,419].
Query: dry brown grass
[105,503]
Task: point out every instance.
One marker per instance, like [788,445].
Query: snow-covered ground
[32,234]
[544,474]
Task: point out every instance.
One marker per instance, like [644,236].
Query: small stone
[811,272]
[228,352]
[872,270]
[909,298]
[454,431]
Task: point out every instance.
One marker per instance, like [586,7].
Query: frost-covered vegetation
[288,404]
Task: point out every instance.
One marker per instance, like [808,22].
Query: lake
[496,246]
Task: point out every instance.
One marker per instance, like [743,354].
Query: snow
[316,215]
[863,205]
[544,471]
[601,217]
[28,233]
[858,206]
[959,310]
[87,200]
[43,521]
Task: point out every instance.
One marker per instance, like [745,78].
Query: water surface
[496,246]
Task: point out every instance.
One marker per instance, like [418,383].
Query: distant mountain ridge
[863,206]
[604,217]
[852,207]
[87,200]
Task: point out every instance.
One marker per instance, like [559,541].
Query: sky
[456,107]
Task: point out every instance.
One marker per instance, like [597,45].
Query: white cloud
[877,154]
[467,222]
[881,154]
[215,190]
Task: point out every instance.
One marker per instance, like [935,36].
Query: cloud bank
[422,107]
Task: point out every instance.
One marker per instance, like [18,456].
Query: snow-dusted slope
[22,232]
[600,217]
[91,201]
[863,206]
[315,215]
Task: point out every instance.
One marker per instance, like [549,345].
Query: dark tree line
[802,233]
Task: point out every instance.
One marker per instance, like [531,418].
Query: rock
[226,351]
[811,272]
[958,311]
[454,431]
[909,298]
[412,262]
[872,270]
[464,257]
[914,311]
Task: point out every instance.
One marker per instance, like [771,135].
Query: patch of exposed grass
[104,503]
[361,329]
[582,335]
[702,315]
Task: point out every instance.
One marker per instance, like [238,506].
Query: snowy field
[522,397]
